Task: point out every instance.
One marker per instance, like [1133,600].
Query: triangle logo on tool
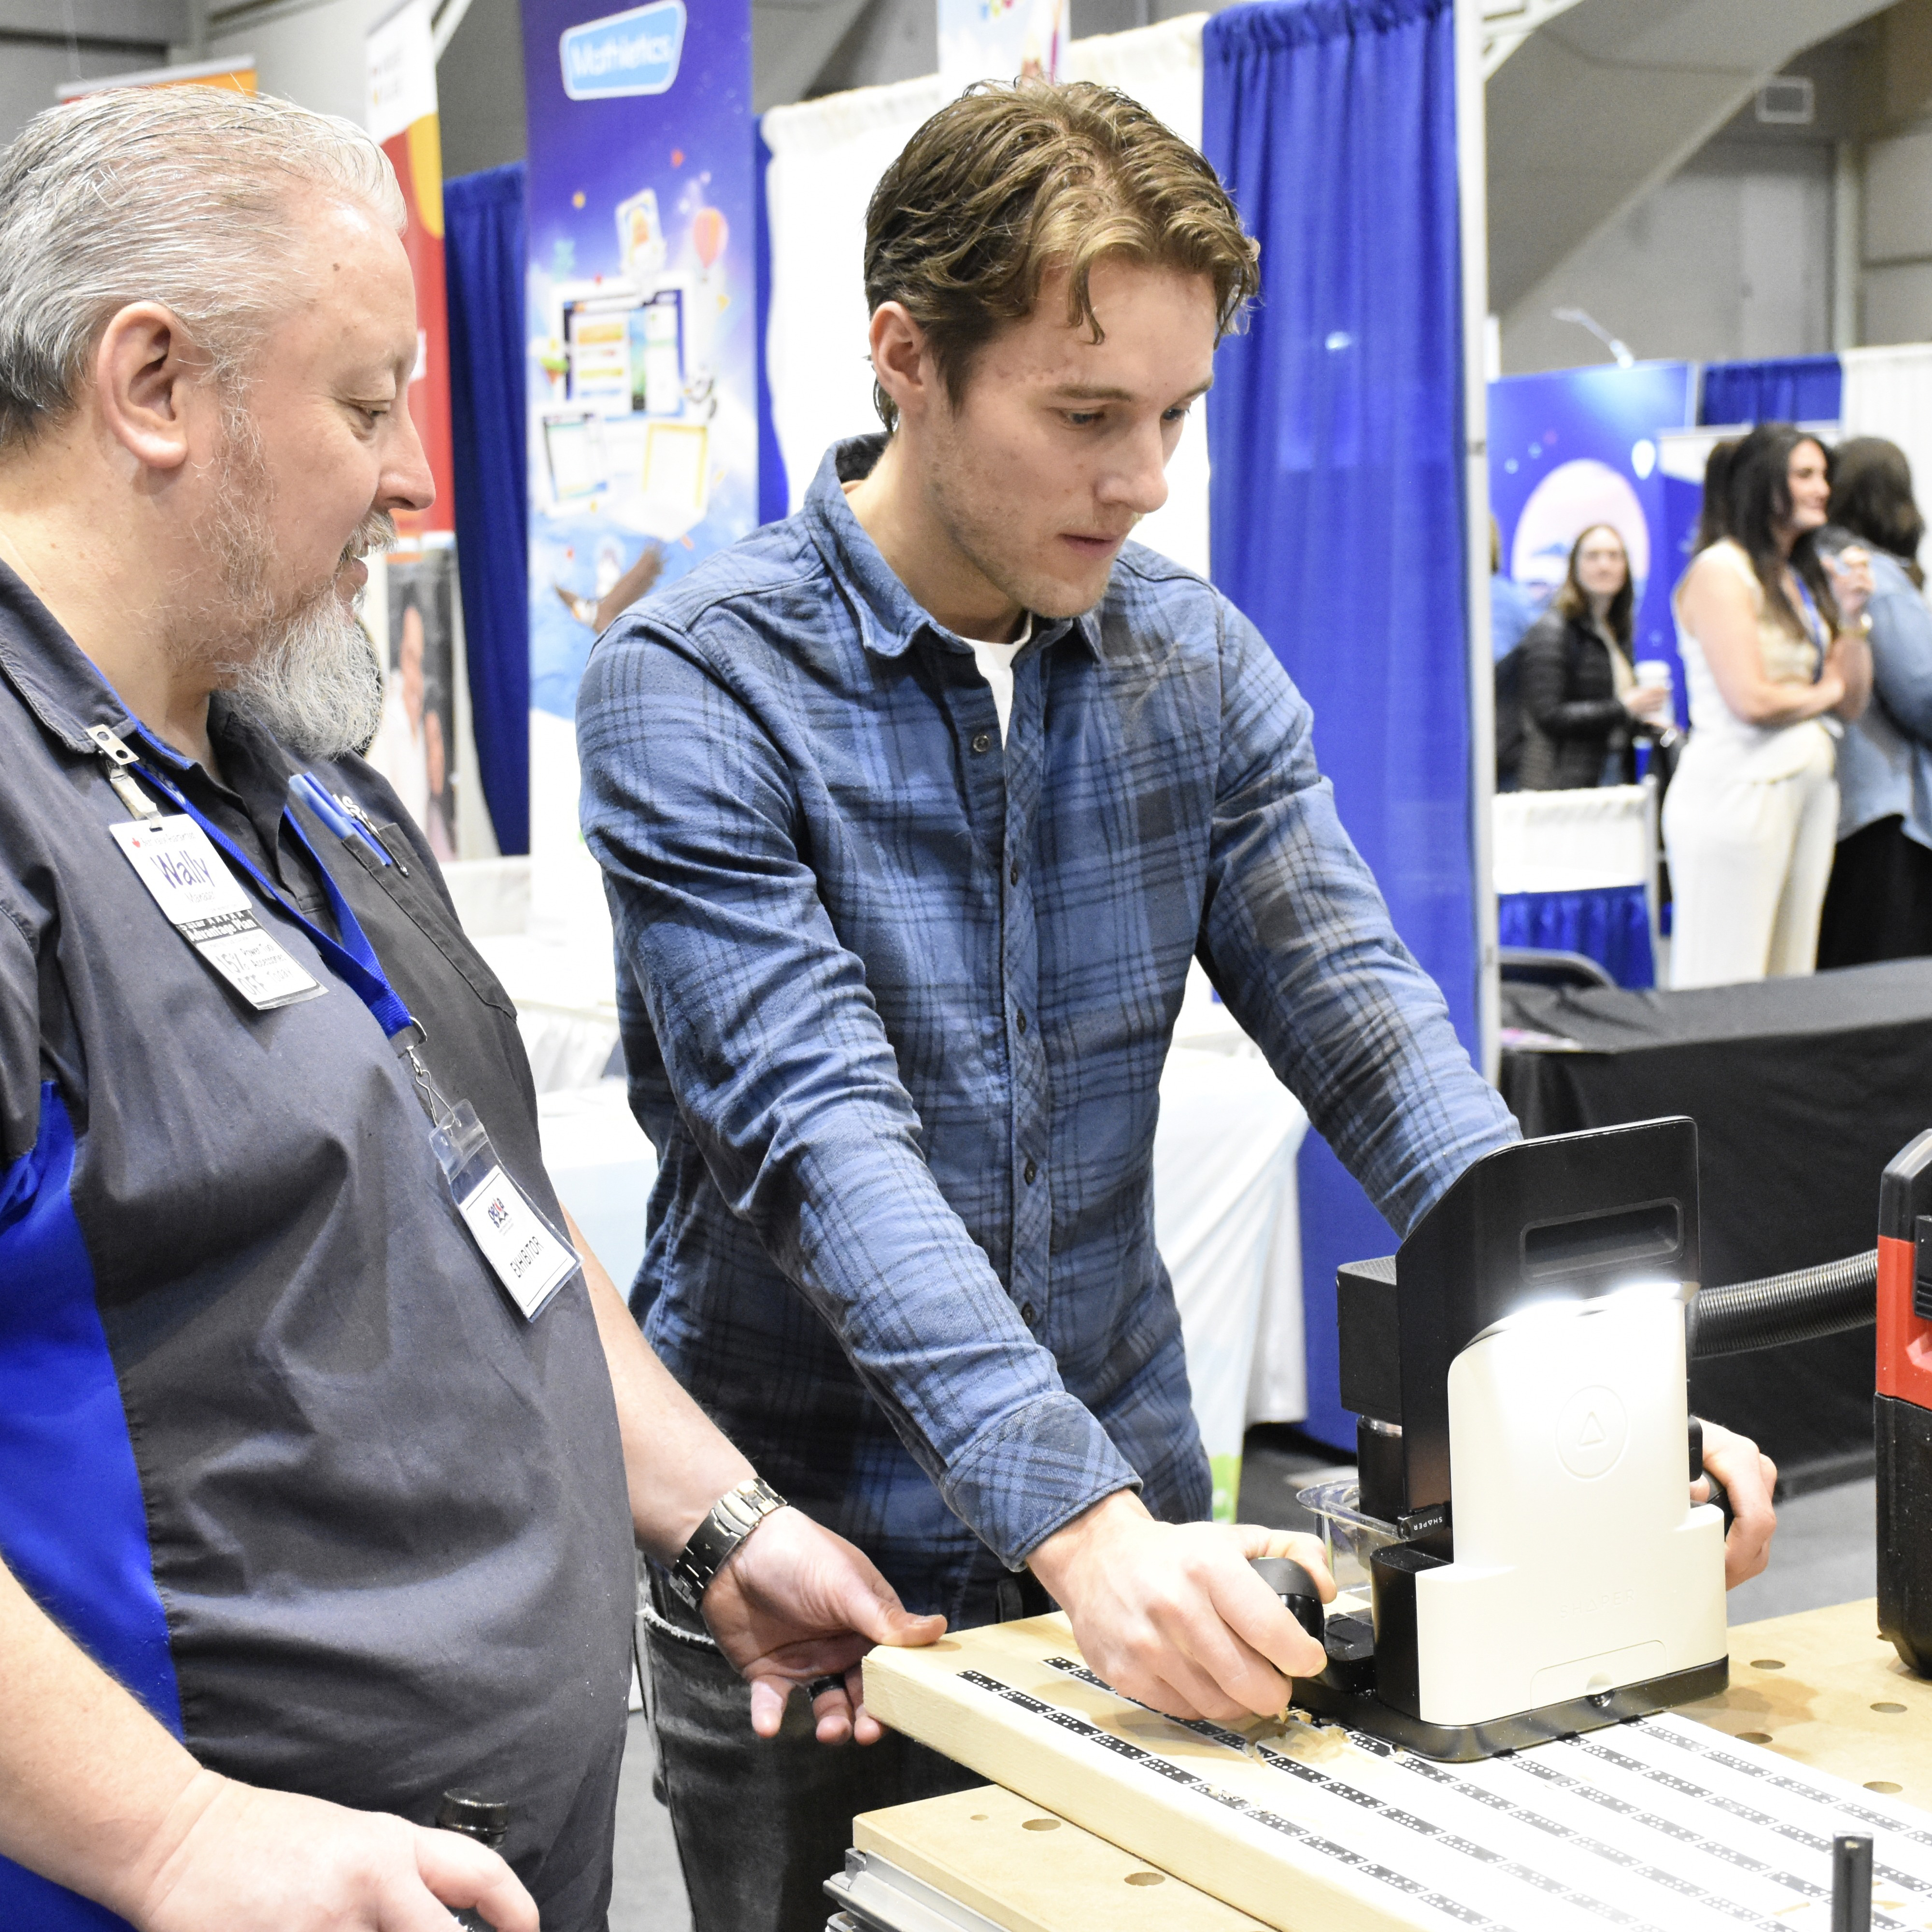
[1591,1433]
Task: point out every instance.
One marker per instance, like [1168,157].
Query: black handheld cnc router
[1537,1566]
[1518,1372]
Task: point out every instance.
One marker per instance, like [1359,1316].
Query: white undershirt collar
[996,667]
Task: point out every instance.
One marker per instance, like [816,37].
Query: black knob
[1294,1587]
[475,1817]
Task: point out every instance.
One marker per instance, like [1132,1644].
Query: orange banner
[237,73]
[402,115]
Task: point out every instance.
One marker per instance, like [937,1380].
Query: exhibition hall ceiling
[1610,98]
[142,22]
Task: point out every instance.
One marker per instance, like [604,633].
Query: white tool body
[1526,1454]
[1581,1565]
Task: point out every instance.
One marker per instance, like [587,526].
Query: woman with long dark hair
[1583,706]
[1880,904]
[1773,647]
[1715,509]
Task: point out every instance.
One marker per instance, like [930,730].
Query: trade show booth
[1339,491]
[1348,529]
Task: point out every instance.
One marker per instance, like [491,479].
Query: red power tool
[1902,1417]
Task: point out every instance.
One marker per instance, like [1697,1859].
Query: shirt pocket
[414,894]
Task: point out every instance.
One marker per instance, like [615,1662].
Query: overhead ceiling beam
[153,51]
[116,23]
[1607,98]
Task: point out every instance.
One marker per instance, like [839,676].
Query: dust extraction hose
[1800,1306]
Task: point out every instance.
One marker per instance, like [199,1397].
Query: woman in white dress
[1774,655]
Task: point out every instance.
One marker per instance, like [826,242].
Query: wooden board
[1029,1871]
[930,1694]
[1660,1826]
[1824,1689]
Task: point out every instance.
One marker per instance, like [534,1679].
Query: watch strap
[732,1518]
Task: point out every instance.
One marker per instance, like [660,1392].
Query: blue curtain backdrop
[774,496]
[1797,388]
[1609,924]
[483,254]
[1338,494]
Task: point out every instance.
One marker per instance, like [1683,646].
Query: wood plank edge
[1047,1768]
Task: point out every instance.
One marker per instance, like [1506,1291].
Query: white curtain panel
[827,156]
[1226,1224]
[1889,393]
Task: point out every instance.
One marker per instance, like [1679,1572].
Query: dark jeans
[762,1824]
[1879,904]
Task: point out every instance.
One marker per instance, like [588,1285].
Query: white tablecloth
[1571,842]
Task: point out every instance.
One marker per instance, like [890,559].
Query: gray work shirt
[275,1446]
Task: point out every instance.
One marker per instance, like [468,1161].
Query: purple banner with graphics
[643,449]
[1576,447]
[641,286]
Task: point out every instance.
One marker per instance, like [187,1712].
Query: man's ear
[901,360]
[145,371]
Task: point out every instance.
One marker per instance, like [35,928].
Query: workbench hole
[1145,1878]
[1754,1737]
[1885,1785]
[1890,1710]
[1040,1825]
[979,1817]
[1767,1664]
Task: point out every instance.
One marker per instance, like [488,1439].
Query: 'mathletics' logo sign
[633,52]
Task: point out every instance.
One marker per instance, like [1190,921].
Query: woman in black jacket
[1583,706]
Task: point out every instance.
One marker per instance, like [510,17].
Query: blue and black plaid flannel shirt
[895,999]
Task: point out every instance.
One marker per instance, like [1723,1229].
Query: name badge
[529,1256]
[204,902]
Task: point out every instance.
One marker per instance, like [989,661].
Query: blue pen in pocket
[310,790]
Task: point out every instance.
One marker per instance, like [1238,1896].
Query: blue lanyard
[1819,638]
[353,959]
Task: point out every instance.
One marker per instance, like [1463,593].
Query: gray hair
[180,196]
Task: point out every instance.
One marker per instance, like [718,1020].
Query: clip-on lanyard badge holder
[176,858]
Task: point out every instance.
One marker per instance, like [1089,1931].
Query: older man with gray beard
[322,1448]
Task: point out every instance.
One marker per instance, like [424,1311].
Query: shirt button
[1020,1021]
[983,741]
[1013,873]
[1029,1171]
[1028,1314]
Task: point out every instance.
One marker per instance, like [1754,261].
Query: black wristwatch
[732,1517]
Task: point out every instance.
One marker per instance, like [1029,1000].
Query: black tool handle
[1294,1587]
[1851,1884]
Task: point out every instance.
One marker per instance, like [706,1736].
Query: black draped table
[1802,1089]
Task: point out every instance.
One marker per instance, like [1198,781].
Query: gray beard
[307,673]
[313,682]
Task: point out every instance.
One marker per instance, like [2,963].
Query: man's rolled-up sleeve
[1298,939]
[788,1082]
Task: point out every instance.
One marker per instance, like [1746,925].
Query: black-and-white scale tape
[1535,1766]
[1445,1835]
[1344,1855]
[1669,1881]
[1819,1842]
[1676,1883]
[1758,1767]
